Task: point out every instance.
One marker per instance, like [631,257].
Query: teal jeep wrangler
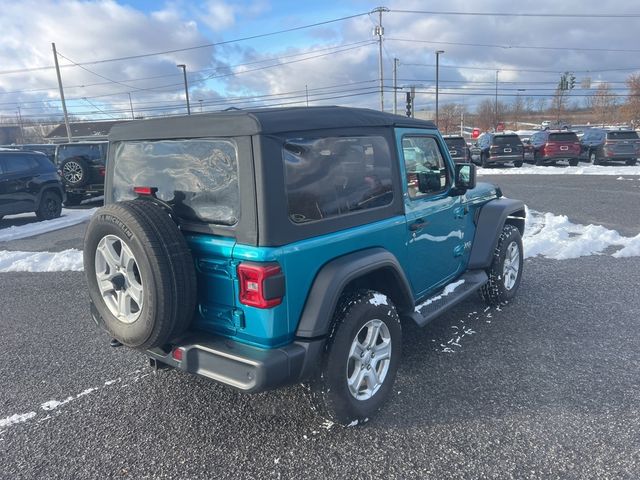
[277,246]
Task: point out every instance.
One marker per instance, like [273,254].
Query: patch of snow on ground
[554,236]
[41,261]
[17,418]
[68,219]
[584,169]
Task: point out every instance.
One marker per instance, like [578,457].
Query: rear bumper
[505,158]
[244,367]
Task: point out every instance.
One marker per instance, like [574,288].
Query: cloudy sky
[109,50]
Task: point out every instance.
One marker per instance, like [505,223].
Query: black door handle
[418,225]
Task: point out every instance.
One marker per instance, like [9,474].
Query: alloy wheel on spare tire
[140,273]
[74,171]
[361,361]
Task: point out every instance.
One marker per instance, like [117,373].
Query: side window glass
[333,176]
[17,164]
[426,170]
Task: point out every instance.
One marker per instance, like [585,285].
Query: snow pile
[584,169]
[554,236]
[68,219]
[41,261]
[17,418]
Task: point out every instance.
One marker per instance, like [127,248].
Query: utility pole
[379,31]
[413,101]
[186,86]
[64,105]
[495,127]
[438,53]
[395,85]
[21,126]
[131,105]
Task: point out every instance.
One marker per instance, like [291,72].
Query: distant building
[82,131]
[9,134]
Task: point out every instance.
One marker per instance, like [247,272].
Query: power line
[509,47]
[525,70]
[185,49]
[513,14]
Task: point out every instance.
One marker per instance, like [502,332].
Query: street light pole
[395,85]
[133,117]
[438,53]
[495,126]
[186,86]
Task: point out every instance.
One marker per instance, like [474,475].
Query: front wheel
[50,206]
[506,268]
[361,361]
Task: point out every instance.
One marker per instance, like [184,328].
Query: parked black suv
[458,149]
[82,166]
[498,149]
[598,145]
[29,182]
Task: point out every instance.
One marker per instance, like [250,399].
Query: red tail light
[178,354]
[261,285]
[145,190]
[101,171]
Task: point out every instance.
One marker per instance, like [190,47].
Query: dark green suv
[268,247]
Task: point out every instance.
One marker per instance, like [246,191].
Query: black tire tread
[40,212]
[491,292]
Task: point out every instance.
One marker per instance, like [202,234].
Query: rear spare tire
[75,172]
[140,273]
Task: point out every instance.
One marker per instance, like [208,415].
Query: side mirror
[465,178]
[429,182]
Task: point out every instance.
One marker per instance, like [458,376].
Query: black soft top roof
[267,121]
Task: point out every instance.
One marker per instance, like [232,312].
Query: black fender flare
[489,224]
[334,276]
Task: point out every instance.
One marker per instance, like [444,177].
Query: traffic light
[572,81]
[409,105]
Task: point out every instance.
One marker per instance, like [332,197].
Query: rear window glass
[456,143]
[622,135]
[563,137]
[197,177]
[332,176]
[90,151]
[506,140]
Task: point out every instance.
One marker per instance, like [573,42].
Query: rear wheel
[484,161]
[517,164]
[631,161]
[50,206]
[140,273]
[573,162]
[361,361]
[505,271]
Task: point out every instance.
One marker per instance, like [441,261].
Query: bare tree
[603,104]
[449,117]
[559,103]
[485,114]
[631,108]
[541,105]
[517,108]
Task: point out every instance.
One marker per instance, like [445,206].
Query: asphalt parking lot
[545,387]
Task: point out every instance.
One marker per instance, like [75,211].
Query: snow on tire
[505,271]
[361,360]
[140,273]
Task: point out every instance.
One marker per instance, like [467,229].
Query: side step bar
[452,294]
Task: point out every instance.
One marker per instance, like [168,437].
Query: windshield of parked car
[506,140]
[563,137]
[625,135]
[197,177]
